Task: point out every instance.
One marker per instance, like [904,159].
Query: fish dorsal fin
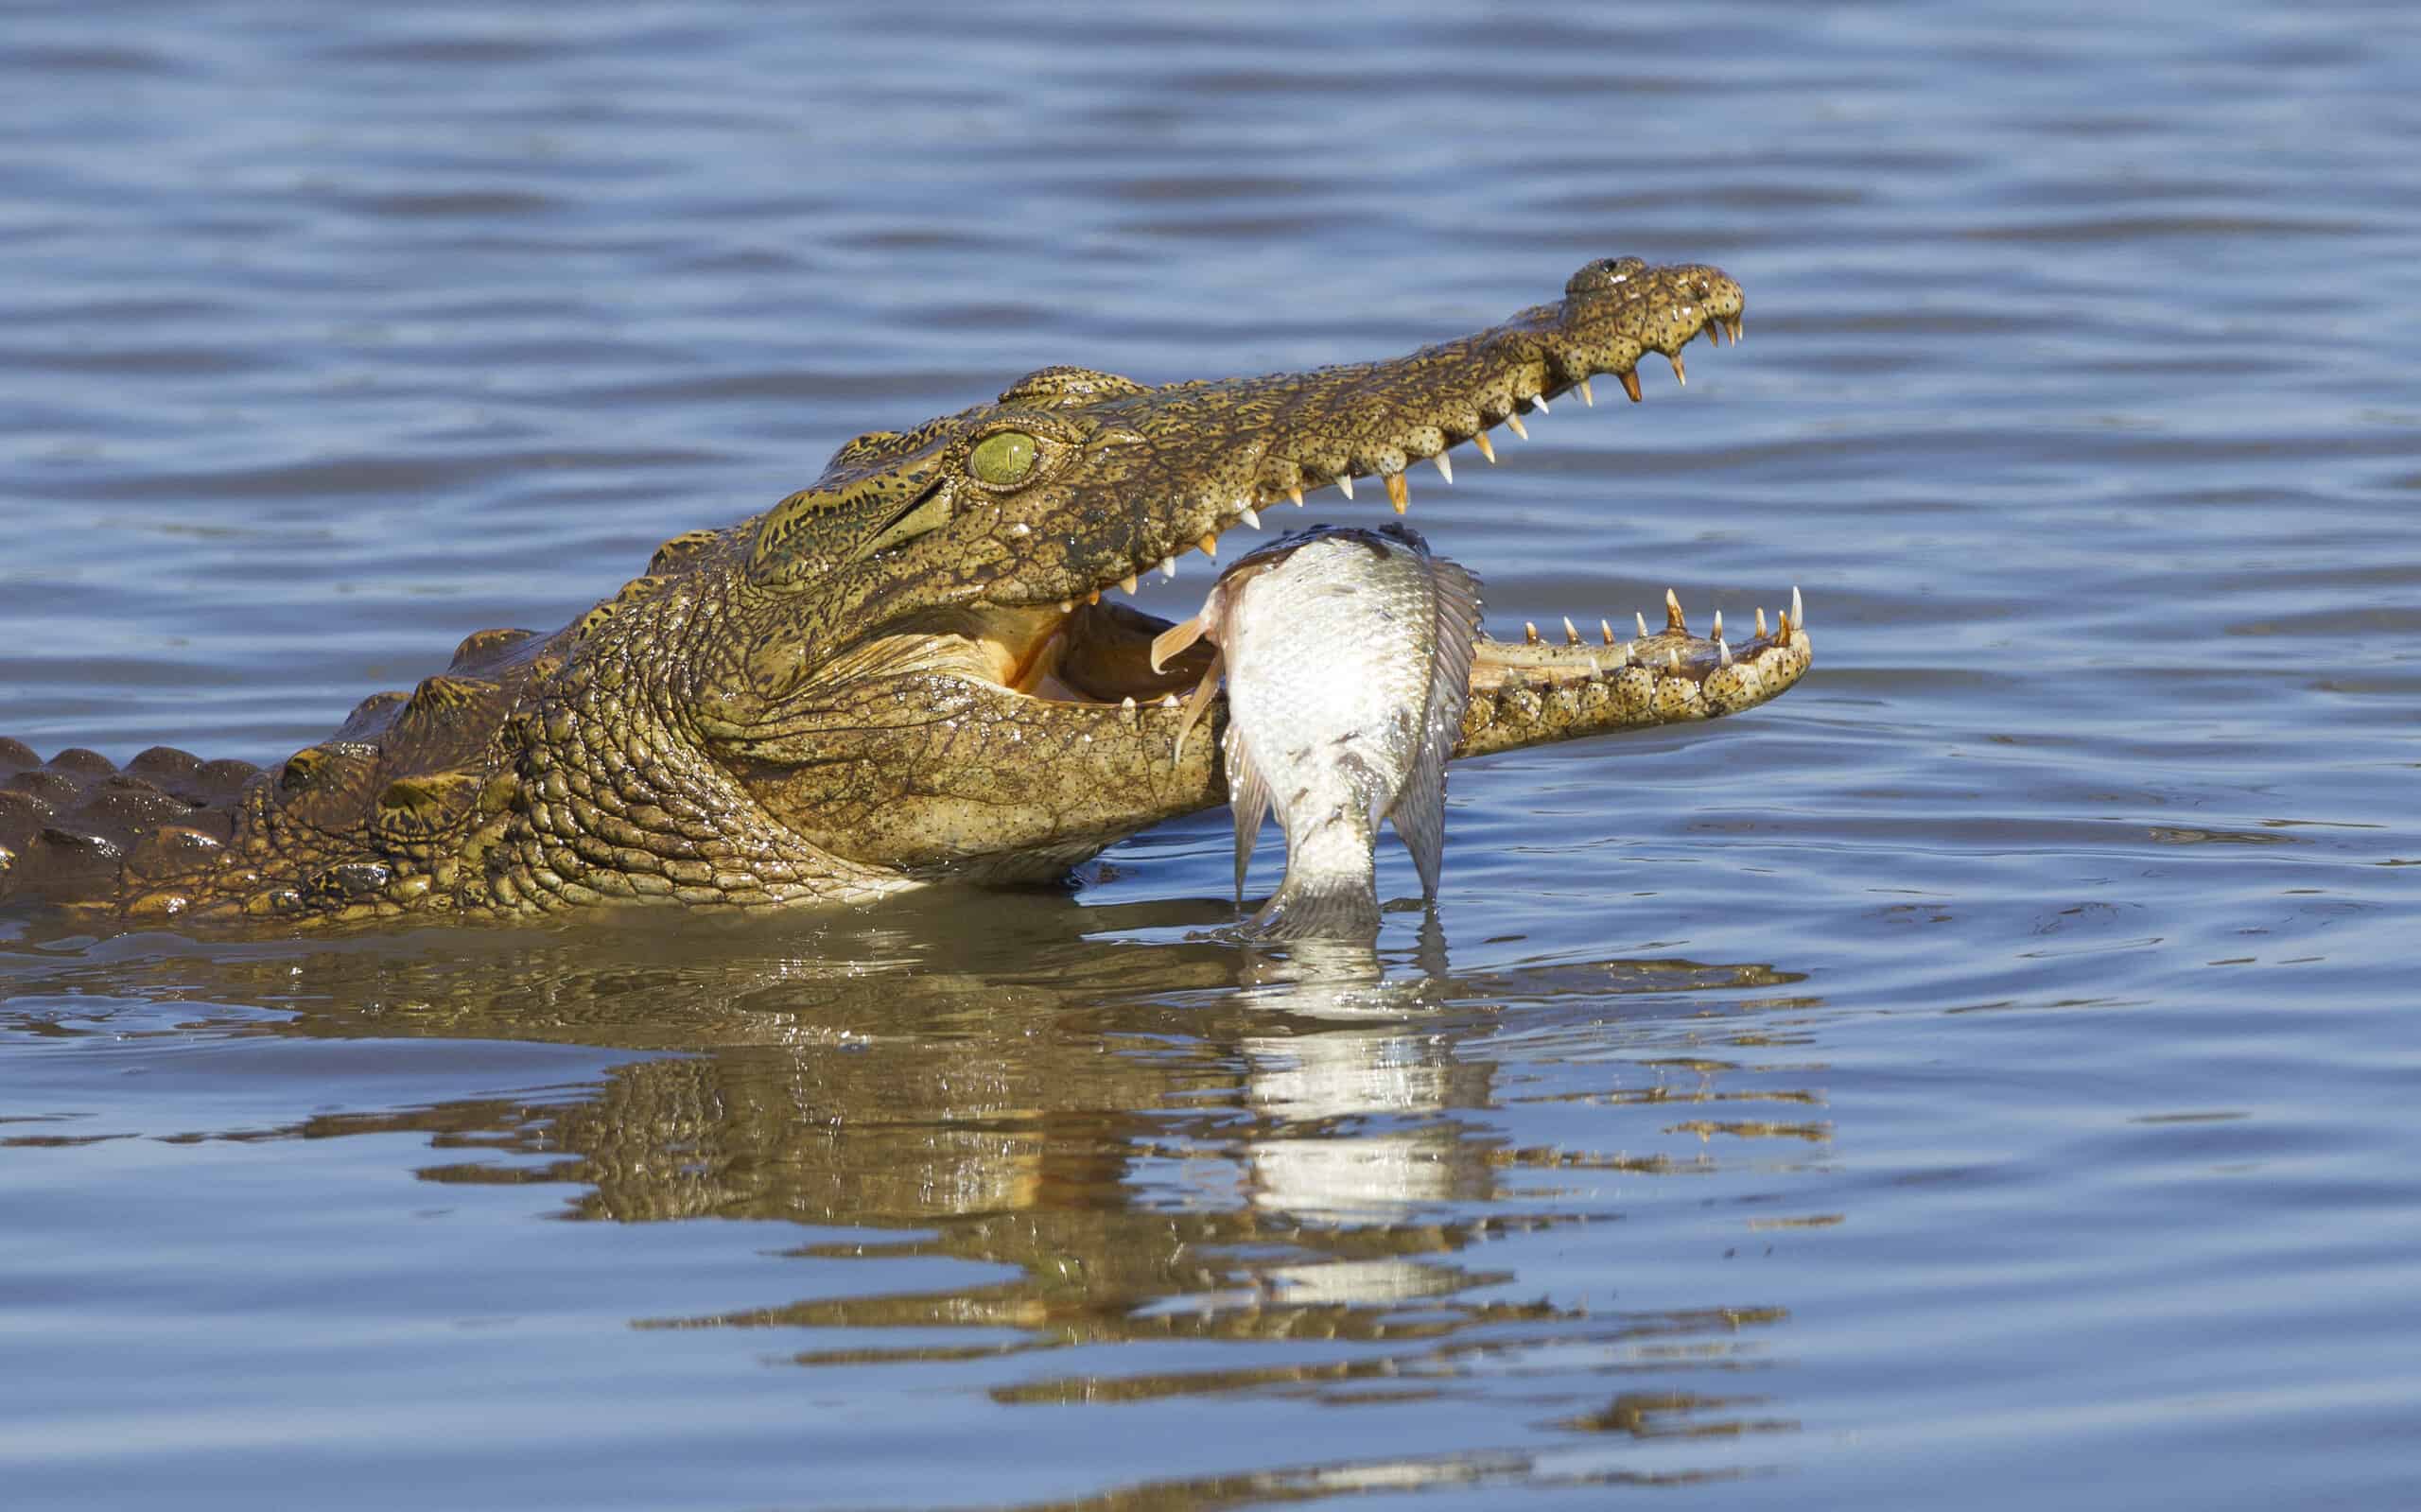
[1248,796]
[1419,807]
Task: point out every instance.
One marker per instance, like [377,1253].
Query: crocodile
[905,672]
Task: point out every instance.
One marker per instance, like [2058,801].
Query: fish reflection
[1162,1140]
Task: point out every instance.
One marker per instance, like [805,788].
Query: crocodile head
[908,669]
[924,673]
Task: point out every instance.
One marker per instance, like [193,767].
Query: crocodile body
[905,672]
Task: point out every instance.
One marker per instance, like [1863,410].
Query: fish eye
[1003,458]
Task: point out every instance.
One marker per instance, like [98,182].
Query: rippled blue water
[1986,1074]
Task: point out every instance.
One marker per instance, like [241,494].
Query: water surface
[1986,1072]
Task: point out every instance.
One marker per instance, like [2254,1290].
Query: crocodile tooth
[1606,628]
[1445,468]
[1798,610]
[1093,596]
[1513,424]
[1398,491]
[1680,374]
[1631,383]
[1168,701]
[1677,661]
[1736,327]
[1127,703]
[1586,396]
[1541,400]
[1714,333]
[1249,516]
[1718,624]
[1529,633]
[1783,632]
[1345,485]
[1168,565]
[1673,621]
[1571,635]
[1722,651]
[1596,671]
[1297,495]
[1209,545]
[1487,447]
[1643,623]
[1128,582]
[1761,622]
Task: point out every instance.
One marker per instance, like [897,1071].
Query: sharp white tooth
[1541,400]
[1586,397]
[1643,623]
[1798,610]
[1718,624]
[1345,486]
[1595,670]
[1168,567]
[1761,622]
[1250,516]
[1513,424]
[1570,632]
[1445,468]
[1168,701]
[1606,628]
[1296,495]
[1677,661]
[1127,703]
[1722,651]
[1128,582]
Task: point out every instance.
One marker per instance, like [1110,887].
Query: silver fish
[1348,659]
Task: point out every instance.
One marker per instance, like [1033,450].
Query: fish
[1346,656]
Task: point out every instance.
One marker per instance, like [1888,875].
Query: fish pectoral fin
[1248,796]
[1419,809]
[1174,639]
[1197,702]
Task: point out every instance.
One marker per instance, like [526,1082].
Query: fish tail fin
[1331,904]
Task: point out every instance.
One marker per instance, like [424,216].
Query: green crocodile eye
[1003,458]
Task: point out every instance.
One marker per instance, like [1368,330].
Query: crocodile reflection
[1161,1138]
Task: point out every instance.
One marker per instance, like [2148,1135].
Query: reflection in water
[1165,1141]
